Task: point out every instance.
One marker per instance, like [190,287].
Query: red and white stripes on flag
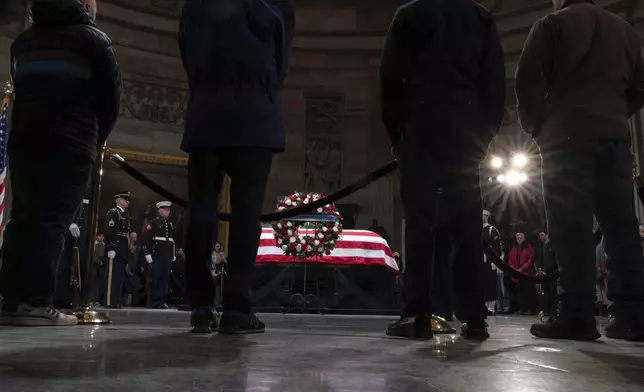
[356,247]
[4,133]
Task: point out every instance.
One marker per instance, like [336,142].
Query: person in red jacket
[522,259]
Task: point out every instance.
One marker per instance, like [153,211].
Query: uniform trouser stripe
[109,282]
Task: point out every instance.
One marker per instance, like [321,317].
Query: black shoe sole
[628,338]
[235,331]
[202,330]
[580,337]
[477,336]
[410,333]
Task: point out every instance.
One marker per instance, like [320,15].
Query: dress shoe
[567,327]
[203,320]
[234,323]
[416,327]
[623,329]
[475,329]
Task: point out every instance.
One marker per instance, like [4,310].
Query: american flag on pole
[4,132]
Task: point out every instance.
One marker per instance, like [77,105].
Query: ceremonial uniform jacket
[159,240]
[117,231]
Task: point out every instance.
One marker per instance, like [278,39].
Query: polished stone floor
[152,351]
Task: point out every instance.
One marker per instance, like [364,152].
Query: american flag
[3,155]
[356,247]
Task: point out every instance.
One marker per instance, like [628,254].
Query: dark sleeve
[394,71]
[182,45]
[111,229]
[495,241]
[283,42]
[109,86]
[532,77]
[492,89]
[635,92]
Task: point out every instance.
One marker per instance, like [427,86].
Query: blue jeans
[581,180]
[502,303]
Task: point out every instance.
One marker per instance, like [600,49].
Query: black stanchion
[82,310]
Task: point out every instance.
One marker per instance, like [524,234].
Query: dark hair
[544,231]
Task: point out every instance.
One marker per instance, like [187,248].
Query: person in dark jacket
[67,91]
[443,94]
[579,80]
[236,55]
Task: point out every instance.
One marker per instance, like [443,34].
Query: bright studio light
[513,178]
[519,161]
[497,162]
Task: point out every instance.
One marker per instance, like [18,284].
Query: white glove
[174,259]
[148,258]
[111,254]
[73,228]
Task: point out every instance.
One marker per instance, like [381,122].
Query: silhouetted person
[67,89]
[579,80]
[236,54]
[443,93]
[376,228]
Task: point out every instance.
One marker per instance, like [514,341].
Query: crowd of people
[443,94]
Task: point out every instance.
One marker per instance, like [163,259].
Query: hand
[148,258]
[395,152]
[174,259]
[73,228]
[111,254]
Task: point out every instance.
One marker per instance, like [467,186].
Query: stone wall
[330,100]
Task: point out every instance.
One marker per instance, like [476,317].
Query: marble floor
[152,351]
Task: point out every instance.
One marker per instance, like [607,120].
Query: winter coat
[236,55]
[67,83]
[442,77]
[522,259]
[580,77]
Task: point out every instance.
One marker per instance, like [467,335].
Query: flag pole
[85,314]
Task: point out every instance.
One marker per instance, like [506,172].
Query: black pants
[527,293]
[580,180]
[248,169]
[113,279]
[47,190]
[443,199]
[442,293]
[549,298]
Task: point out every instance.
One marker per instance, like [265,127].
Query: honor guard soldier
[160,253]
[117,231]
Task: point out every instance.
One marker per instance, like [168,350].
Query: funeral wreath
[311,239]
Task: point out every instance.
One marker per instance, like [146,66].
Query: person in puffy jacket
[236,56]
[521,258]
[67,89]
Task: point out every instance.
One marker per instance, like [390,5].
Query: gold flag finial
[8,87]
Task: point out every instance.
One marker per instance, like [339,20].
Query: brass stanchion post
[82,310]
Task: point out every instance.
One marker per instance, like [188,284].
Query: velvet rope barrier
[342,193]
[270,217]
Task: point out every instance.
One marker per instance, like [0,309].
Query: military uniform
[117,231]
[160,253]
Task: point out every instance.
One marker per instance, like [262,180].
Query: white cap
[163,204]
[487,213]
